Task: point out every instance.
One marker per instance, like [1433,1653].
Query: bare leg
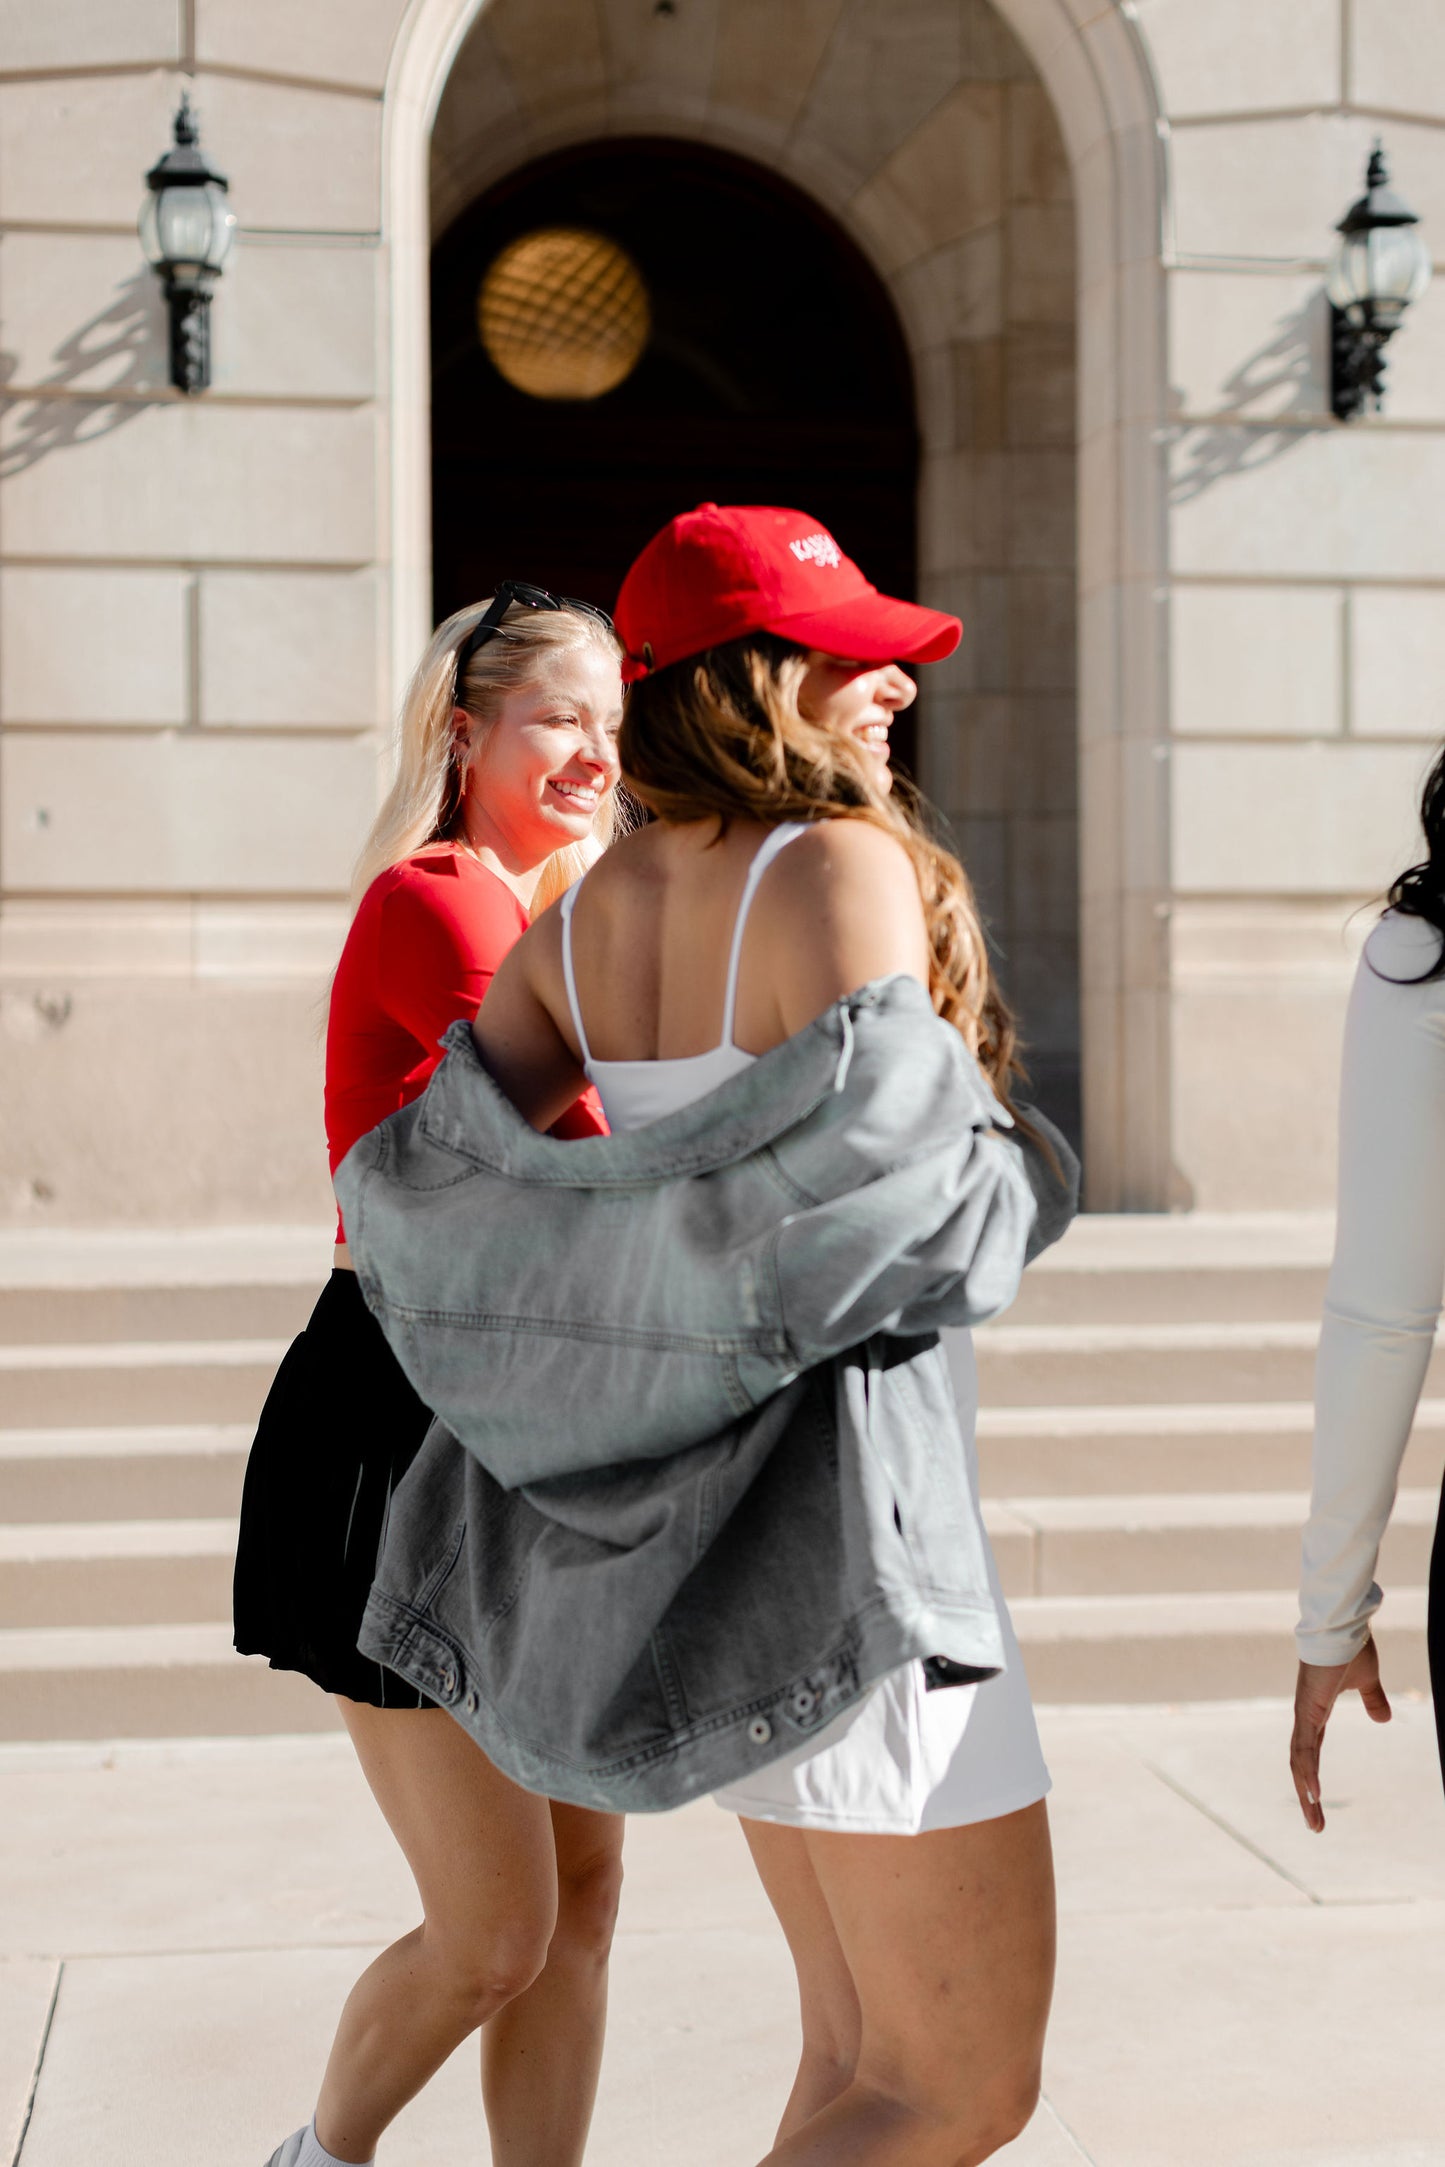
[827,1998]
[541,2054]
[483,1858]
[949,1939]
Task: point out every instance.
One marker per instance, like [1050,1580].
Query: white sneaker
[289,2152]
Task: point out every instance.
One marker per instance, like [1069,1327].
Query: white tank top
[636,1092]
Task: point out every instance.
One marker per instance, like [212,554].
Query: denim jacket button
[804,1701]
[449,1681]
[471,1704]
[760,1730]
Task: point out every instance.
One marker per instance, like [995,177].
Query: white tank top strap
[788,831]
[569,974]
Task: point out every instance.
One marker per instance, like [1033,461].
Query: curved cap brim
[874,628]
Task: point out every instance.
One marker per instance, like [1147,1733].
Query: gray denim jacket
[711,1483]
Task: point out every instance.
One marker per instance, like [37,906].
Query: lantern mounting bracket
[1357,364]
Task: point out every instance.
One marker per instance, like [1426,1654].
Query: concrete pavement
[182,1919]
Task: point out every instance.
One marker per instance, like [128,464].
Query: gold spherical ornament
[563,313]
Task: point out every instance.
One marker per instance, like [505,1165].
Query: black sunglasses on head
[527,596]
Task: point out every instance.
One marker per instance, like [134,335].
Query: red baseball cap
[725,569]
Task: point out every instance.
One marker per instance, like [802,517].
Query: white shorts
[903,1761]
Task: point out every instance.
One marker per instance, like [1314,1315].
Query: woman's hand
[1317,1689]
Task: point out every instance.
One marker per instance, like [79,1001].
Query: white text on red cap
[819,549]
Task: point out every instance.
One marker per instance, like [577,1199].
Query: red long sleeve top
[422,950]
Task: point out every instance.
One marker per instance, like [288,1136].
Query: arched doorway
[775,372]
[967,226]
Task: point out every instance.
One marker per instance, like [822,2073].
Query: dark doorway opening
[776,372]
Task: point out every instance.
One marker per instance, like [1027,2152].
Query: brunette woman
[905,1848]
[1382,1304]
[504,791]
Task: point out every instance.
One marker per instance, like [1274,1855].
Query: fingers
[1371,1691]
[1304,1766]
[1317,1687]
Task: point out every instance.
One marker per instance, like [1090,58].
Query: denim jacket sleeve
[942,1238]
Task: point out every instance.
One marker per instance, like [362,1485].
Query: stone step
[1107,1648]
[1061,1292]
[185,1472]
[1144,1452]
[35,1315]
[67,1385]
[1078,1451]
[147,1681]
[194,1471]
[1181,1268]
[1092,1365]
[1178,1545]
[154,1681]
[117,1572]
[159,1572]
[42,1316]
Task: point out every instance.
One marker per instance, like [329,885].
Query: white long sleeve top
[1383,1300]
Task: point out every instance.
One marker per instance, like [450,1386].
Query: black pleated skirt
[339,1429]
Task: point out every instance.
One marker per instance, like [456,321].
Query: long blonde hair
[425,802]
[723,734]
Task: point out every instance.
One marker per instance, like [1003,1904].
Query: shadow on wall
[1290,363]
[120,344]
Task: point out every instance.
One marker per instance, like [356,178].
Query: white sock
[314,2154]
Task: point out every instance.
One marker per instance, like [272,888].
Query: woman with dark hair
[1382,1304]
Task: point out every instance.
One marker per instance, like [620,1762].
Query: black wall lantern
[1380,266]
[186,230]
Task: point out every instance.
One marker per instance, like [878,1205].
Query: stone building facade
[1183,738]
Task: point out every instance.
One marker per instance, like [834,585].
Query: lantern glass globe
[1379,272]
[187,230]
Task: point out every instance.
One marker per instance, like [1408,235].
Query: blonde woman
[505,791]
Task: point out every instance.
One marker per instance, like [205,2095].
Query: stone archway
[738,382]
[739,394]
[899,175]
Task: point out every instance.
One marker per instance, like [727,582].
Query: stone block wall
[1306,600]
[193,644]
[1000,521]
[206,607]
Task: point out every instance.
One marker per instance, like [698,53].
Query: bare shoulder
[839,859]
[851,886]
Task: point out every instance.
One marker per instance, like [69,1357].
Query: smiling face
[537,776]
[857,699]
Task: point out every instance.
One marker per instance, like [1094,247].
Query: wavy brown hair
[723,734]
